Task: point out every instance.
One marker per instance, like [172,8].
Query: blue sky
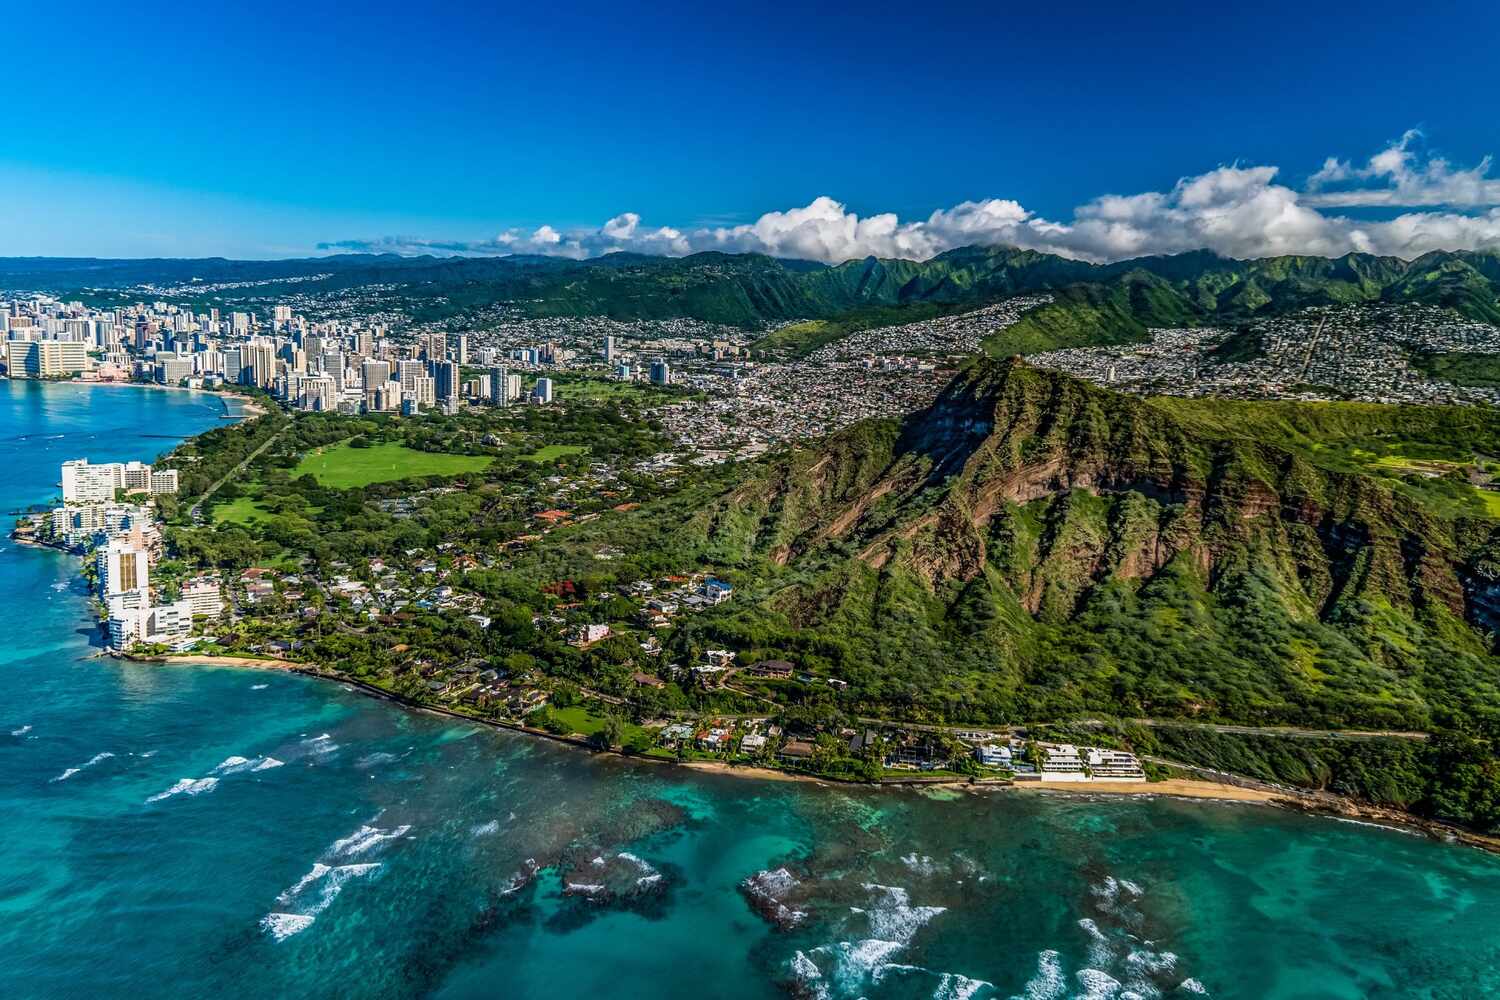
[270,129]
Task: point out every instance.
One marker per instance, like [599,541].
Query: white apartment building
[203,597]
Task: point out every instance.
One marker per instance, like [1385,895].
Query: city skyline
[582,131]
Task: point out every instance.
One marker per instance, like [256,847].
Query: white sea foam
[364,839]
[186,786]
[583,888]
[266,763]
[1096,985]
[318,871]
[1048,983]
[283,925]
[333,882]
[922,864]
[88,763]
[231,764]
[1192,986]
[893,922]
[259,687]
[804,968]
[893,918]
[20,732]
[953,986]
[485,829]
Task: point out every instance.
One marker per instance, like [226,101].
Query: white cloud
[1238,211]
[1402,175]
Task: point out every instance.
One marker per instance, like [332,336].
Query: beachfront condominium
[45,358]
[123,566]
[84,482]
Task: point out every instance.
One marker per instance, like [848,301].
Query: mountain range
[1094,303]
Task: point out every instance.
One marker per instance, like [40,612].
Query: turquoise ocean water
[196,832]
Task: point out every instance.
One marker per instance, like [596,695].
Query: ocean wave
[847,966]
[485,829]
[318,871]
[1096,985]
[283,925]
[86,764]
[893,918]
[1049,982]
[20,732]
[329,880]
[322,744]
[187,786]
[364,839]
[266,763]
[259,687]
[1119,965]
[583,888]
[232,764]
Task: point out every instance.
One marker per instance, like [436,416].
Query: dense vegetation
[1031,548]
[1453,776]
[754,291]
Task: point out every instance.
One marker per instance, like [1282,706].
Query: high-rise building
[123,566]
[461,348]
[661,372]
[499,386]
[45,358]
[609,348]
[374,373]
[445,374]
[425,391]
[319,393]
[259,364]
[407,373]
[542,391]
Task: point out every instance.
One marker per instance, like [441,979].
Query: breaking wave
[186,786]
[1120,965]
[316,890]
[74,770]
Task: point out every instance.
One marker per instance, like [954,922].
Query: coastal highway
[1291,732]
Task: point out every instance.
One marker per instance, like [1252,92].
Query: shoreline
[248,407]
[1313,803]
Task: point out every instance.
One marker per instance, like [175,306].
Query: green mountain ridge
[1097,303]
[1035,547]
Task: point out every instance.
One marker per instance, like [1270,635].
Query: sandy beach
[1185,787]
[254,663]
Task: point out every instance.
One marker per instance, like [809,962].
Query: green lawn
[240,510]
[342,467]
[580,719]
[552,452]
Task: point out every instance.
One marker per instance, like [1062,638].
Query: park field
[343,467]
[552,452]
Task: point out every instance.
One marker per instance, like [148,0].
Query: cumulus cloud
[1404,176]
[1238,211]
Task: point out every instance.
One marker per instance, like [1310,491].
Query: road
[1292,732]
[196,511]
